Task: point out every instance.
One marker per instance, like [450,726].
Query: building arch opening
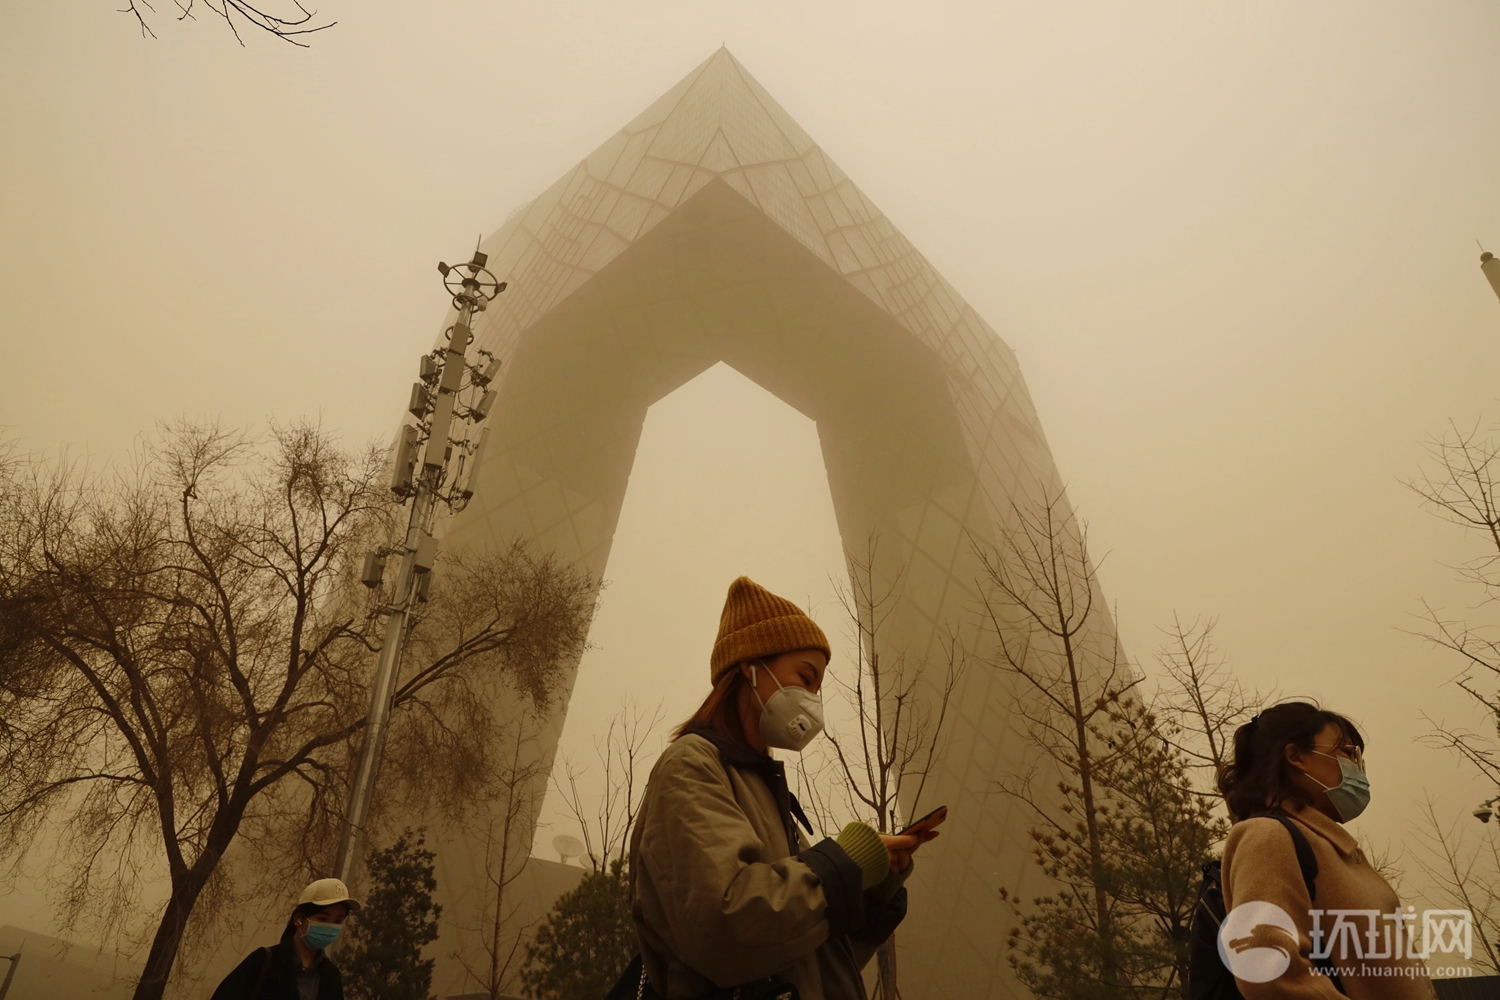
[727,480]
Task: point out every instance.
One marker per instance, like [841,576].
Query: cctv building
[713,229]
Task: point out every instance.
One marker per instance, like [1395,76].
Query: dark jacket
[725,891]
[280,982]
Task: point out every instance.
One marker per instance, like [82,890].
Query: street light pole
[437,403]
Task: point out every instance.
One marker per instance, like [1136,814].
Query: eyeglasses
[1354,755]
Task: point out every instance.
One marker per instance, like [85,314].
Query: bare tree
[1041,601]
[1462,489]
[607,819]
[1158,830]
[1462,486]
[506,854]
[814,780]
[1464,875]
[289,26]
[587,937]
[883,766]
[185,660]
[1204,703]
[1119,828]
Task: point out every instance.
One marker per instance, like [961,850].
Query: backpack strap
[1306,860]
[1309,865]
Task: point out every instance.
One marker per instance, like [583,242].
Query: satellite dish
[567,847]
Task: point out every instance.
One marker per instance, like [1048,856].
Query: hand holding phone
[903,844]
[927,823]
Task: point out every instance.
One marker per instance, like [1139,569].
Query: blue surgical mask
[319,936]
[1352,794]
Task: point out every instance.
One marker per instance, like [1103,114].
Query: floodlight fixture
[472,285]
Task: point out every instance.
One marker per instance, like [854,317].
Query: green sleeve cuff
[866,849]
[886,888]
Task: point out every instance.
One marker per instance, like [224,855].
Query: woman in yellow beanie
[727,894]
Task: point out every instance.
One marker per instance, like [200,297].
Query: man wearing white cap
[297,968]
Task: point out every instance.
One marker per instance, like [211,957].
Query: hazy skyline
[1233,249]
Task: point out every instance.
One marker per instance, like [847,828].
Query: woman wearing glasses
[1297,778]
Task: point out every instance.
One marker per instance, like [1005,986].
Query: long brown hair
[1259,777]
[721,709]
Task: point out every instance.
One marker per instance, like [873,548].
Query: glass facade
[712,228]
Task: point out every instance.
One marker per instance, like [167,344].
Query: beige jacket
[1260,863]
[718,894]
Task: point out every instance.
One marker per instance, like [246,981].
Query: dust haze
[1233,248]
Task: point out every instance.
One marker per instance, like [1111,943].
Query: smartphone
[927,822]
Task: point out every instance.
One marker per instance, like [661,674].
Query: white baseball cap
[326,892]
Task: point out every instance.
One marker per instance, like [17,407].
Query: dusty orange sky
[1232,245]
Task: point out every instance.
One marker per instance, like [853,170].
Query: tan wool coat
[719,896]
[1260,863]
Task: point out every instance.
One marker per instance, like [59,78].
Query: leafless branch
[1463,876]
[289,28]
[1205,702]
[882,768]
[185,661]
[607,819]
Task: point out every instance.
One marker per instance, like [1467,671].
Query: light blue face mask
[1352,794]
[319,936]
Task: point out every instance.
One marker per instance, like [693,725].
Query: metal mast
[449,402]
[10,973]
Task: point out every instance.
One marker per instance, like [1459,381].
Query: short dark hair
[1260,778]
[302,910]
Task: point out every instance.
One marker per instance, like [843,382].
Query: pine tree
[1155,831]
[586,941]
[398,919]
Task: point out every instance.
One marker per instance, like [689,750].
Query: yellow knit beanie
[757,623]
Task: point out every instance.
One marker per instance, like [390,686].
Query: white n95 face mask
[790,718]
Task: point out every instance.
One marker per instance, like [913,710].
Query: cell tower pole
[436,404]
[10,973]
